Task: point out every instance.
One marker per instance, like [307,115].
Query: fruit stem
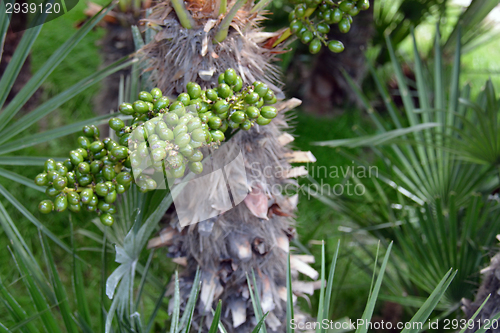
[184,17]
[223,7]
[261,5]
[242,94]
[123,4]
[288,33]
[137,5]
[309,12]
[226,22]
[313,30]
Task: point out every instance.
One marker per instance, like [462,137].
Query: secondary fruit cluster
[163,136]
[90,179]
[310,21]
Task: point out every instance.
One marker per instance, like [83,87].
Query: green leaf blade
[55,59]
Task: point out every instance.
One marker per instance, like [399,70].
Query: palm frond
[435,173]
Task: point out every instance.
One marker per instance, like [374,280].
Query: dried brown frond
[203,7]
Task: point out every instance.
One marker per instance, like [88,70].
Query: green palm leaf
[38,138]
[53,103]
[34,83]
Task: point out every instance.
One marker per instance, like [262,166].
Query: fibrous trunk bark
[253,235]
[490,285]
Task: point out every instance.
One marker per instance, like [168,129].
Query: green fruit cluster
[168,135]
[90,179]
[164,135]
[310,21]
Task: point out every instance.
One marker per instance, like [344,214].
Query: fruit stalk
[223,7]
[226,22]
[184,17]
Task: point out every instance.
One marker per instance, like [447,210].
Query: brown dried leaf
[302,287]
[283,243]
[288,105]
[302,267]
[164,239]
[225,271]
[93,8]
[210,290]
[267,301]
[257,202]
[238,312]
[273,322]
[285,139]
[240,247]
[270,41]
[275,209]
[296,172]
[180,261]
[300,157]
[308,259]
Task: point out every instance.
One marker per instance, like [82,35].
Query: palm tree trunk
[490,286]
[254,234]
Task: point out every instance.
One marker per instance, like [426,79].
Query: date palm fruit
[324,89]
[173,135]
[315,46]
[93,168]
[45,206]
